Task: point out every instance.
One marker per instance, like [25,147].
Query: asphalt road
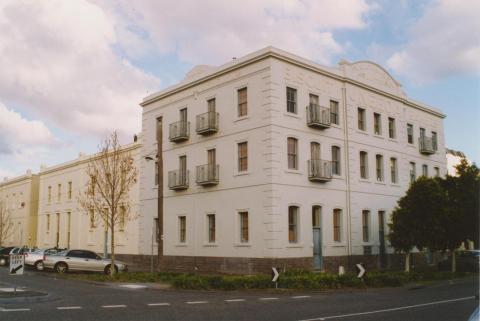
[77,300]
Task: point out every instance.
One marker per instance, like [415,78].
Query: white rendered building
[453,159]
[20,196]
[273,160]
[63,223]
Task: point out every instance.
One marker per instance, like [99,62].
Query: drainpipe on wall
[347,176]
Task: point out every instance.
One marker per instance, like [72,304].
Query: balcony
[427,145]
[207,123]
[318,116]
[319,170]
[179,131]
[178,179]
[207,174]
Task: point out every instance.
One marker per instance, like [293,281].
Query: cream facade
[20,195]
[63,223]
[272,159]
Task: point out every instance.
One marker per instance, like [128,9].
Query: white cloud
[58,61]
[17,132]
[214,31]
[445,41]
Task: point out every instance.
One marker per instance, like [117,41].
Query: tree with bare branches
[6,225]
[112,174]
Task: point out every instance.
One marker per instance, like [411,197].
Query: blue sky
[61,92]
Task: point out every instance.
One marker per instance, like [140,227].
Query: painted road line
[14,310]
[114,306]
[197,302]
[301,297]
[69,308]
[407,307]
[235,300]
[268,299]
[158,304]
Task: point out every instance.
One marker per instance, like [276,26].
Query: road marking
[235,300]
[158,304]
[268,299]
[389,310]
[197,302]
[114,306]
[133,286]
[14,310]
[301,297]
[69,308]
[12,290]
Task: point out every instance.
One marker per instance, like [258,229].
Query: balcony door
[314,150]
[183,115]
[317,237]
[182,166]
[211,158]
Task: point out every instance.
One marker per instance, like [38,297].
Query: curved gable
[370,73]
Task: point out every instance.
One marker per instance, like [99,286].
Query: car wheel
[3,261]
[38,265]
[107,270]
[61,267]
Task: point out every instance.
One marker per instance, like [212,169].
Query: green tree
[416,221]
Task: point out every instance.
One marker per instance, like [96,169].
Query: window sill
[364,180]
[241,173]
[335,126]
[394,140]
[395,185]
[240,118]
[363,132]
[380,183]
[181,245]
[242,245]
[294,171]
[339,244]
[293,115]
[210,245]
[294,245]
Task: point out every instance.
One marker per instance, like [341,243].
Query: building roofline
[273,52]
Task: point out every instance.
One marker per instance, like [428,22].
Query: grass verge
[288,280]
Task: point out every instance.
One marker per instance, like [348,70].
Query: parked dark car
[5,255]
[467,261]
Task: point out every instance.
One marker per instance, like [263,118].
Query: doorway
[317,237]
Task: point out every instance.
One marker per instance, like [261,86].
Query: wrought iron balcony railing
[318,116]
[207,123]
[427,145]
[178,179]
[207,174]
[179,131]
[319,170]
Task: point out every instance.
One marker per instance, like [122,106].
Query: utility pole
[160,189]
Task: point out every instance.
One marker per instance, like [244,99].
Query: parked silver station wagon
[80,260]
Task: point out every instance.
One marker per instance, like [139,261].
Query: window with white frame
[242,102]
[413,172]
[211,227]
[293,224]
[410,133]
[292,150]
[392,132]
[336,167]
[291,100]
[379,167]
[242,156]
[361,119]
[365,225]
[182,229]
[244,232]
[363,165]
[377,124]
[393,170]
[337,225]
[334,116]
[425,170]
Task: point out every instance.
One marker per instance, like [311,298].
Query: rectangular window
[156,173]
[59,192]
[422,132]
[313,99]
[363,165]
[410,133]
[337,225]
[361,119]
[336,160]
[379,167]
[211,228]
[391,128]
[69,190]
[291,100]
[49,194]
[393,170]
[365,225]
[293,224]
[182,229]
[425,170]
[437,171]
[242,102]
[377,124]
[434,141]
[242,156]
[413,172]
[183,114]
[243,216]
[292,146]
[123,213]
[334,117]
[48,222]
[211,105]
[91,215]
